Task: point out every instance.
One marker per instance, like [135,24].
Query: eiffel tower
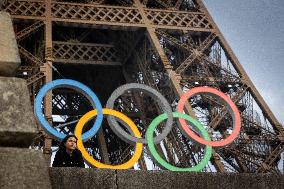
[170,45]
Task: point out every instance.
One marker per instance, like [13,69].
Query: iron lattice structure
[170,45]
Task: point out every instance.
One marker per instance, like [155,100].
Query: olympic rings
[149,91]
[67,83]
[159,159]
[90,159]
[229,104]
[135,136]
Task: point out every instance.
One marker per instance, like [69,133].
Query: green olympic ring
[160,160]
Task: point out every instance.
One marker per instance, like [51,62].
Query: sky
[255,31]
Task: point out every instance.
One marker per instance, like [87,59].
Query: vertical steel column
[103,146]
[47,70]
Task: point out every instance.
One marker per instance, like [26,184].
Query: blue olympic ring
[68,83]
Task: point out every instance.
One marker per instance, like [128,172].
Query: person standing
[68,155]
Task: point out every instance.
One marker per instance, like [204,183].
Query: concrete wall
[99,178]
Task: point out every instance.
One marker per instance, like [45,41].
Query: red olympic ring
[230,105]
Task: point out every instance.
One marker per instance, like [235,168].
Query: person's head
[69,143]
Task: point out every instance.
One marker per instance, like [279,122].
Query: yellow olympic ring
[90,159]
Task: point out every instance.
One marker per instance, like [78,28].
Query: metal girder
[35,78]
[183,20]
[246,118]
[128,55]
[108,15]
[202,79]
[196,53]
[145,2]
[32,9]
[68,102]
[164,3]
[85,53]
[174,41]
[29,30]
[232,79]
[47,70]
[240,157]
[267,164]
[30,57]
[178,4]
[125,2]
[96,14]
[213,124]
[25,70]
[97,1]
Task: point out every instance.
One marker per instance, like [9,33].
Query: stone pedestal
[23,168]
[17,122]
[20,167]
[9,54]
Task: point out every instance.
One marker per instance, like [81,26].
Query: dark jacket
[63,159]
